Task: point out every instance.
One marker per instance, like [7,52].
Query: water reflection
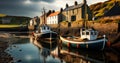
[69,55]
[49,51]
[82,56]
[89,56]
[28,50]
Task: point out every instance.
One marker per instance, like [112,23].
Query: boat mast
[44,15]
[85,12]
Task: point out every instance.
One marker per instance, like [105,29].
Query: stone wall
[109,29]
[101,27]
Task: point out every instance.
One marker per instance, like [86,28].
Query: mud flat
[4,56]
[4,44]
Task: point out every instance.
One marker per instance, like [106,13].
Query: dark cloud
[19,1]
[10,1]
[18,7]
[48,0]
[20,10]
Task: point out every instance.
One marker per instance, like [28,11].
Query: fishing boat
[88,38]
[44,32]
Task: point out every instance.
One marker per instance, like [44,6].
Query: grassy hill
[15,19]
[8,26]
[2,15]
[100,8]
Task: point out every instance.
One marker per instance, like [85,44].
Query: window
[87,33]
[48,28]
[73,18]
[83,33]
[91,33]
[95,33]
[73,11]
[43,27]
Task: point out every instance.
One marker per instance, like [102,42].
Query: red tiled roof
[53,14]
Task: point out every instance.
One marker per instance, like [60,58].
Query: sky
[32,8]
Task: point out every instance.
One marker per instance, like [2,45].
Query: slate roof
[74,7]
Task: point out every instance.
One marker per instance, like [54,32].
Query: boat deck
[79,39]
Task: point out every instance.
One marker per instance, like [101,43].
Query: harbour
[27,49]
[78,33]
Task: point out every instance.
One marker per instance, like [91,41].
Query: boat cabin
[43,28]
[89,34]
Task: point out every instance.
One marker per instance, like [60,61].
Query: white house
[32,22]
[53,18]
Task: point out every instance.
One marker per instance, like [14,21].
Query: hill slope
[2,15]
[99,9]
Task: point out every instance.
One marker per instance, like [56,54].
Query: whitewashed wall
[52,20]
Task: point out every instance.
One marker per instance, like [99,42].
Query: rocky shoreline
[4,56]
[4,44]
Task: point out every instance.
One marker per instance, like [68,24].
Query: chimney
[76,3]
[67,5]
[53,11]
[84,1]
[61,9]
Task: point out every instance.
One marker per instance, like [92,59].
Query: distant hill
[2,15]
[14,19]
[99,9]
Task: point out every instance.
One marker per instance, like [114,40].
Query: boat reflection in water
[48,51]
[69,55]
[82,56]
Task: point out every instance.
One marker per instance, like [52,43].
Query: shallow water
[28,50]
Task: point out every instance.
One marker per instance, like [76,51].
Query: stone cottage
[76,12]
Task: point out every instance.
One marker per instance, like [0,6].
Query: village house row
[75,12]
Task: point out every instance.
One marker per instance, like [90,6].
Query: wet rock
[20,50]
[19,61]
[14,46]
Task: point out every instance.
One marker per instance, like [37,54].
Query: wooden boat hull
[93,44]
[50,36]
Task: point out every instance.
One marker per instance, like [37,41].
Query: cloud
[33,8]
[10,1]
[24,7]
[49,1]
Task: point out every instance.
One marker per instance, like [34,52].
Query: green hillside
[2,15]
[100,8]
[15,20]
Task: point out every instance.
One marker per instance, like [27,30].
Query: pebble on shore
[4,56]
